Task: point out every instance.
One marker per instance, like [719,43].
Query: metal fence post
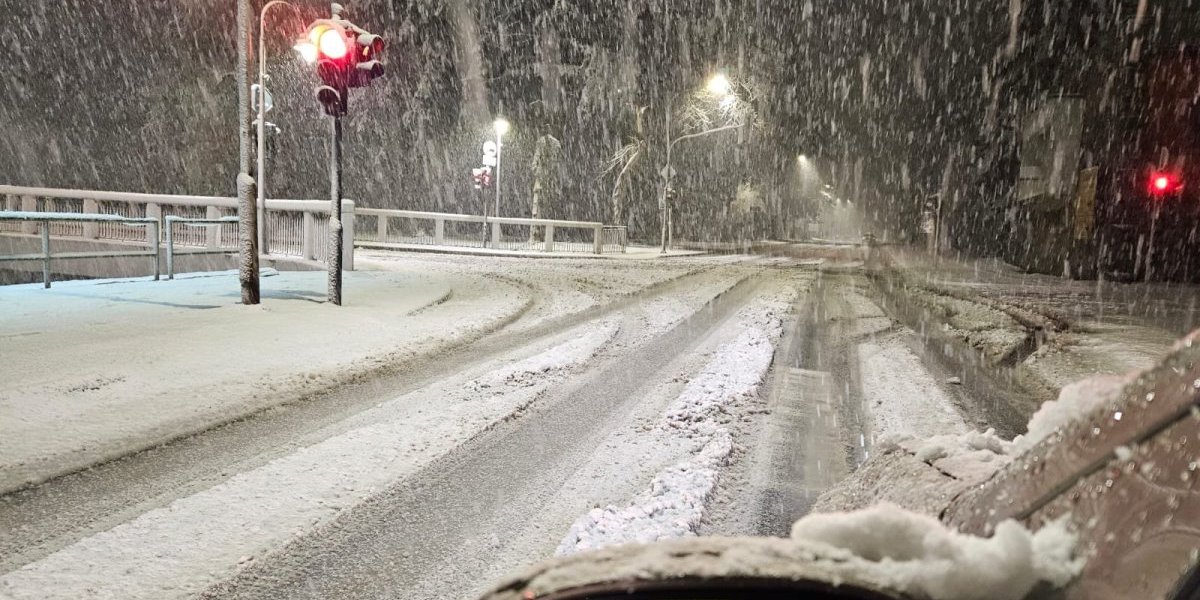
[598,240]
[495,234]
[348,235]
[157,265]
[170,250]
[439,231]
[381,228]
[46,253]
[548,234]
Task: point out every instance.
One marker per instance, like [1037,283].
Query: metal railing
[45,220]
[293,228]
[401,227]
[212,237]
[616,238]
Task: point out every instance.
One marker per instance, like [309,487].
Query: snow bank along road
[613,403]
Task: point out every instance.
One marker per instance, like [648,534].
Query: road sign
[268,103]
[667,172]
[490,150]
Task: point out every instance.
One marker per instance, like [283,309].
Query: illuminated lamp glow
[332,44]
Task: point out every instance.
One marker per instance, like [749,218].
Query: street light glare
[307,50]
[332,44]
[501,126]
[719,85]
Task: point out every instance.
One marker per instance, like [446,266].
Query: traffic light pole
[335,210]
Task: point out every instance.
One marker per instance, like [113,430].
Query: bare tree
[623,161]
[468,61]
[545,161]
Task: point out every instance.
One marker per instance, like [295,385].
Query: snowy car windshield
[483,299]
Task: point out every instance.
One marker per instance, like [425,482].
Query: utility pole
[247,194]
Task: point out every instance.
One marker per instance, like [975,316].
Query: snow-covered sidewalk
[96,369]
[1089,327]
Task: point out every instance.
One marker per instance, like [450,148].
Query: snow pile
[532,370]
[674,504]
[735,372]
[671,508]
[918,555]
[977,455]
[1074,402]
[902,397]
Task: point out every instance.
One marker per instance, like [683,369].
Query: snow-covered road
[588,403]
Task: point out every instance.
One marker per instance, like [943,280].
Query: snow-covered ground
[93,370]
[691,437]
[900,395]
[177,550]
[1089,327]
[197,540]
[651,478]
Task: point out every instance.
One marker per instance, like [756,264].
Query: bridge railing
[44,223]
[292,228]
[410,227]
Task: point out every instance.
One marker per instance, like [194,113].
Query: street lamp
[262,117]
[718,85]
[501,127]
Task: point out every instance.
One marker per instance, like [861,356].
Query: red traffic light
[325,39]
[1165,183]
[332,44]
[482,177]
[346,56]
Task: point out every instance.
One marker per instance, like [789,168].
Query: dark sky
[139,95]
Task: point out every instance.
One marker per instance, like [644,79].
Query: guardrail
[290,228]
[476,231]
[45,219]
[616,236]
[211,235]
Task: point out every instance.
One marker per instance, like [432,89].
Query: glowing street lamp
[501,126]
[718,85]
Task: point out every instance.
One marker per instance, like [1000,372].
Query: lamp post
[260,173]
[501,127]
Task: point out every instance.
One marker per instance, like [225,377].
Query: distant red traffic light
[1162,184]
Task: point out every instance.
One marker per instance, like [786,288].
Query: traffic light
[482,177]
[1163,183]
[367,67]
[346,56]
